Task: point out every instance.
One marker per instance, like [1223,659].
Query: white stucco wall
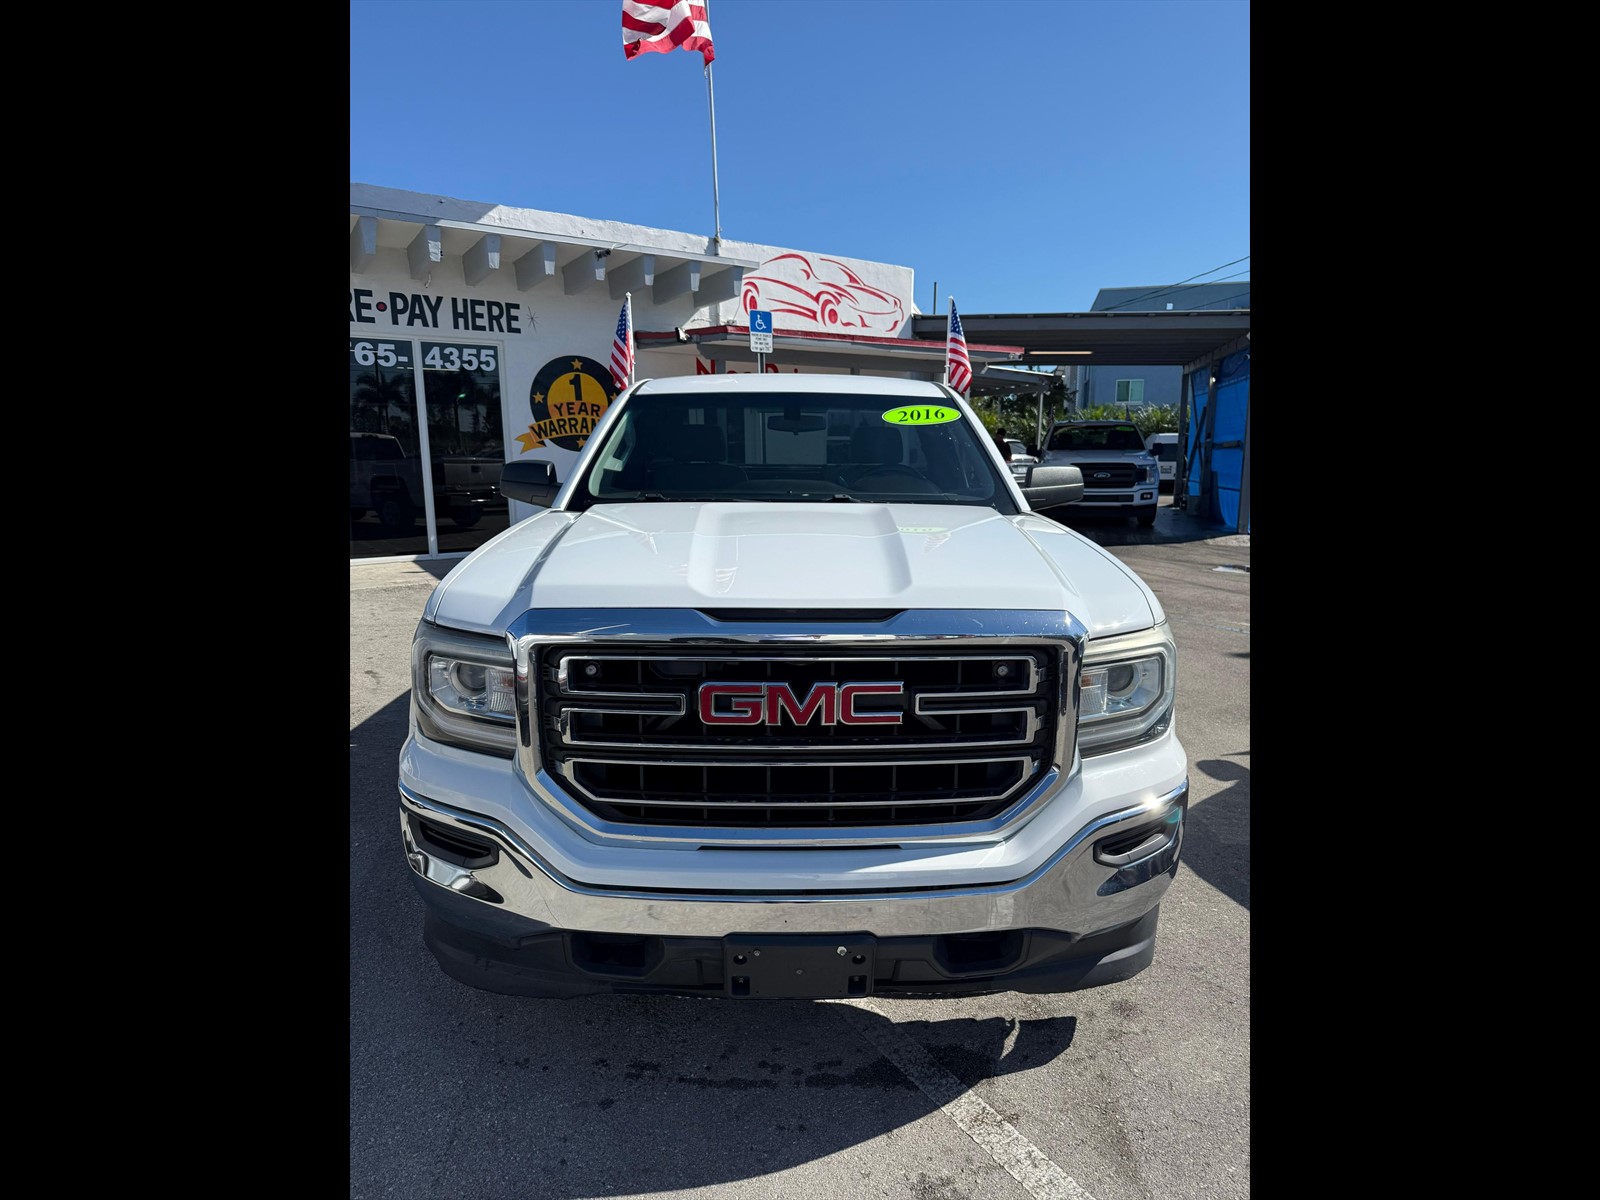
[543,329]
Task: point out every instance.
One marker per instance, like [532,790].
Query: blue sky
[1022,154]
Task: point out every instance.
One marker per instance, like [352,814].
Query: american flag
[957,366]
[622,346]
[666,27]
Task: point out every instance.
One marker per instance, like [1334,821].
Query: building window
[387,514]
[461,392]
[1130,391]
[391,479]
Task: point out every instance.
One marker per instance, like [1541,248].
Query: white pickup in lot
[1019,460]
[1165,447]
[1119,474]
[788,692]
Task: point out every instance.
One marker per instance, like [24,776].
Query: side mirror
[1048,487]
[533,481]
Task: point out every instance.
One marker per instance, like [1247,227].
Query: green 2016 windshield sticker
[921,415]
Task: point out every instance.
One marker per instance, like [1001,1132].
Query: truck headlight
[1151,474]
[472,689]
[463,689]
[1126,689]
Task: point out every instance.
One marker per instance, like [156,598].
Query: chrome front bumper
[1083,888]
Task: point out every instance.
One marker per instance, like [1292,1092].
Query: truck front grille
[1115,474]
[832,737]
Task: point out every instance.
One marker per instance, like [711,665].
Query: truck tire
[1146,519]
[466,518]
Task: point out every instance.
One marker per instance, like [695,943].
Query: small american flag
[666,27]
[957,366]
[622,346]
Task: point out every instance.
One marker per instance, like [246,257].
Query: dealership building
[481,333]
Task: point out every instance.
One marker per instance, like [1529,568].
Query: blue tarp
[1194,389]
[1227,424]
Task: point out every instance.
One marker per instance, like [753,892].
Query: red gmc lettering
[781,699]
[767,703]
[743,698]
[847,703]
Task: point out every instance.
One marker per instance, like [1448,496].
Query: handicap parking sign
[760,331]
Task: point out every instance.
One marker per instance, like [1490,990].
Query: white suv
[1119,474]
[1165,447]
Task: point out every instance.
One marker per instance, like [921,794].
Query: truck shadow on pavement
[459,1092]
[1216,832]
[1171,525]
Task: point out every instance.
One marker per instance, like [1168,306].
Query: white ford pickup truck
[790,693]
[1119,474]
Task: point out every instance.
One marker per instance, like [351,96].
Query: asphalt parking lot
[1137,1089]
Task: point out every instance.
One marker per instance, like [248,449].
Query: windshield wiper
[652,496]
[833,498]
[775,498]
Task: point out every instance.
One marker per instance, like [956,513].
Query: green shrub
[1154,418]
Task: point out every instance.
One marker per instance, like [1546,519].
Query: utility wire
[1224,279]
[1209,303]
[1165,288]
[1168,287]
[1235,296]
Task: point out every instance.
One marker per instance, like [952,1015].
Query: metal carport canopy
[1157,339]
[1190,340]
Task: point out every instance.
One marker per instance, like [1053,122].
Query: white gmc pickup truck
[790,693]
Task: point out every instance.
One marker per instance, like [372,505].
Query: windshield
[1096,437]
[804,446]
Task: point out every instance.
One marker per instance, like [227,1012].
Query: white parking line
[1020,1158]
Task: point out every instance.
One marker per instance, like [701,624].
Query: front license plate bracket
[799,966]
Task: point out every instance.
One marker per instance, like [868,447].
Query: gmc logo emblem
[766,703]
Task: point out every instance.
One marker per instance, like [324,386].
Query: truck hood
[790,555]
[1075,456]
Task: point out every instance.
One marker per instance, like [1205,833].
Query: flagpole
[716,204]
[628,300]
[951,309]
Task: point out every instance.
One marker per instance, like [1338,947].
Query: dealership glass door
[461,392]
[459,437]
[387,501]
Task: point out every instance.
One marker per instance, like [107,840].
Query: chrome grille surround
[553,752]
